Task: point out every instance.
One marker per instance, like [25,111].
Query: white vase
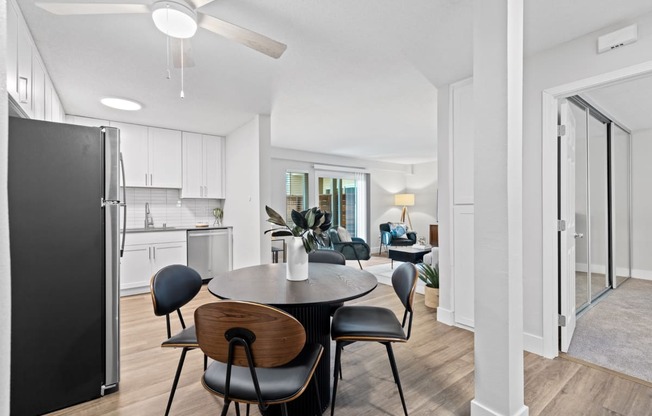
[297,260]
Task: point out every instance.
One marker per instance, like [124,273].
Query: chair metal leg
[397,380]
[338,354]
[237,409]
[284,409]
[176,379]
[225,409]
[247,409]
[205,362]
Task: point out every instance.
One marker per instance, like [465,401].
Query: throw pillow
[344,235]
[398,230]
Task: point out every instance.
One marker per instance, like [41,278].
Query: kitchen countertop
[180,228]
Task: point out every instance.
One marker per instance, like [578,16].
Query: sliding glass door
[602,203]
[344,195]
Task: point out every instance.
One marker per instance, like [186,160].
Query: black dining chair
[371,323]
[171,288]
[260,352]
[330,257]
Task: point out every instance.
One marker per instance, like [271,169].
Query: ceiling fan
[177,19]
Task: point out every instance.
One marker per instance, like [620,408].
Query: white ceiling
[358,78]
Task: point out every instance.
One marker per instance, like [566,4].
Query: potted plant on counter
[430,276]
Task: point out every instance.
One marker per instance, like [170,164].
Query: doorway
[553,290]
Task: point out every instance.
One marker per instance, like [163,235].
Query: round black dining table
[308,300]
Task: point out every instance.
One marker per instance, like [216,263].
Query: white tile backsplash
[168,208]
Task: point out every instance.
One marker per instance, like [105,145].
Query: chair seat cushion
[185,338]
[366,323]
[278,384]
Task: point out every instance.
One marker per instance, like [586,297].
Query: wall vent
[617,39]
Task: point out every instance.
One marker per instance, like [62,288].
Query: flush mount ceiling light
[174,18]
[121,104]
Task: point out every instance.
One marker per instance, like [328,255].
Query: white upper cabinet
[152,156]
[203,166]
[213,167]
[28,83]
[12,50]
[133,145]
[87,121]
[164,158]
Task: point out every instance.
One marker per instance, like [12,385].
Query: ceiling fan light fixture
[174,18]
[121,104]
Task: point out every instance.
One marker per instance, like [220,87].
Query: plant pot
[297,260]
[431,299]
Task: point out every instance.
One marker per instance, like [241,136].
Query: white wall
[641,204]
[243,208]
[571,61]
[386,179]
[5,269]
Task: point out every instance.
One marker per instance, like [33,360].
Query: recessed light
[121,104]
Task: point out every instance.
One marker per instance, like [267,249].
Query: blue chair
[387,238]
[356,249]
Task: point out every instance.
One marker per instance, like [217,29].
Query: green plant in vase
[310,225]
[218,213]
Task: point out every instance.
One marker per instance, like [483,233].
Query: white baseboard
[128,291]
[478,409]
[445,316]
[642,274]
[533,343]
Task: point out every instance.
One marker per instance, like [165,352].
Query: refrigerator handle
[124,205]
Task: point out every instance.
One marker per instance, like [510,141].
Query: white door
[567,214]
[133,145]
[213,167]
[193,170]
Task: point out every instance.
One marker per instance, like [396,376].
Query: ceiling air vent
[617,39]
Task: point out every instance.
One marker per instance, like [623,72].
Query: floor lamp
[404,200]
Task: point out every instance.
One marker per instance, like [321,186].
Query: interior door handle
[580,235]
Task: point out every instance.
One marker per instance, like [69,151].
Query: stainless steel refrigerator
[64,214]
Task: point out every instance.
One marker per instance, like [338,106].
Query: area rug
[383,273]
[615,333]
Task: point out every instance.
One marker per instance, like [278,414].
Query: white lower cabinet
[147,253]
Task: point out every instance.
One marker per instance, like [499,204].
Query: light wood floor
[436,368]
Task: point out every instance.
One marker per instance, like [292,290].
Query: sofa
[395,234]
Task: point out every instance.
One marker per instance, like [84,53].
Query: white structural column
[498,84]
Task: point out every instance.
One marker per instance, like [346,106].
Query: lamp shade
[404,200]
[174,19]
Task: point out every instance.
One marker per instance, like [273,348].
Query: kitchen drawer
[155,237]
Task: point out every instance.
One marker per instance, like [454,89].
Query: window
[296,193]
[344,195]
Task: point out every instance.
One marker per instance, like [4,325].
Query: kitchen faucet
[149,221]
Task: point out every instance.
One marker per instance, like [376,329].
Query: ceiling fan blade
[175,52]
[254,40]
[196,4]
[92,8]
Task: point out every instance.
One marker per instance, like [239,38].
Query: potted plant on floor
[430,276]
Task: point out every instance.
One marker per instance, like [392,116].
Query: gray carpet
[616,332]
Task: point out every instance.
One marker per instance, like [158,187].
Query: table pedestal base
[316,320]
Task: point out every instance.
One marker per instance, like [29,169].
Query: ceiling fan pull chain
[182,94]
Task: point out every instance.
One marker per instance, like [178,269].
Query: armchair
[356,249]
[387,238]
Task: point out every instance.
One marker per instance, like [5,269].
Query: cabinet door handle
[149,253]
[205,190]
[201,191]
[151,180]
[145,179]
[154,250]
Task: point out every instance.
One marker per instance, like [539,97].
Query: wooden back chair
[254,346]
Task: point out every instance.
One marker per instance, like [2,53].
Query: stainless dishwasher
[210,251]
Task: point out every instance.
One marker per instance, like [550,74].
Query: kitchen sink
[140,230]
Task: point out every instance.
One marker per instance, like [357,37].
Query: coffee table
[413,255]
